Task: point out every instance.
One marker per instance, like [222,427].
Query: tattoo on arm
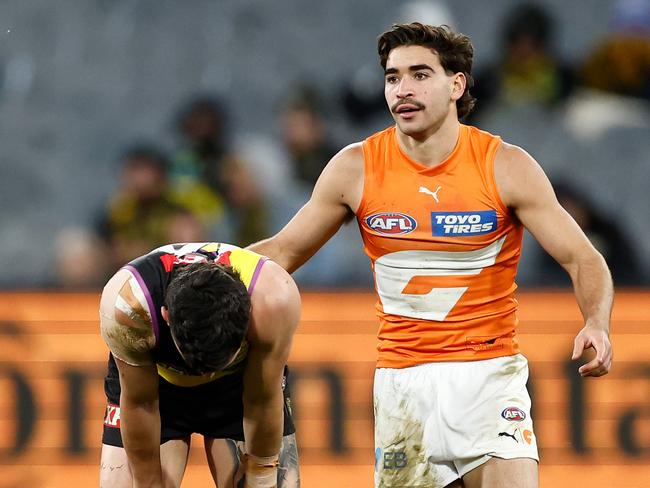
[289,469]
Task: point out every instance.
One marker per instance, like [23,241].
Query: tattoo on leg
[109,467]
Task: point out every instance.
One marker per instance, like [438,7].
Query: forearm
[594,291]
[263,425]
[281,254]
[270,248]
[140,427]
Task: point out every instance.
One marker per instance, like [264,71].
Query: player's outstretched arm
[526,190]
[335,197]
[276,313]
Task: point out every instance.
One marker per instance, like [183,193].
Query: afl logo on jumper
[513,414]
[391,223]
[451,224]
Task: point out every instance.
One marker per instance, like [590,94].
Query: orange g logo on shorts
[528,436]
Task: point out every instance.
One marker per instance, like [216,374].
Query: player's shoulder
[514,161]
[516,172]
[511,153]
[349,156]
[344,167]
[275,290]
[275,307]
[125,319]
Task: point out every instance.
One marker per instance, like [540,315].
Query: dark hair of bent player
[455,51]
[209,313]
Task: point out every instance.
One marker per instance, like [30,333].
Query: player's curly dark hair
[455,51]
[209,314]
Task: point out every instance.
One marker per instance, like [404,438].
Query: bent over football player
[199,335]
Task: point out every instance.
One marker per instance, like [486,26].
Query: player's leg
[513,473]
[491,438]
[404,402]
[115,471]
[224,461]
[173,458]
[225,458]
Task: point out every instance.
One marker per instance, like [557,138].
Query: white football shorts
[437,421]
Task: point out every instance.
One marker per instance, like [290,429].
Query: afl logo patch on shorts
[456,224]
[391,223]
[513,414]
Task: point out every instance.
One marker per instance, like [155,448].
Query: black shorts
[214,409]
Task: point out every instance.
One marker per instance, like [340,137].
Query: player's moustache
[406,101]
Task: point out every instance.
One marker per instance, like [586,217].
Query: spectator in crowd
[80,257]
[213,180]
[620,63]
[615,76]
[605,234]
[529,71]
[305,136]
[186,226]
[140,214]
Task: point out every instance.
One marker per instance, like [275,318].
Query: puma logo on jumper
[434,194]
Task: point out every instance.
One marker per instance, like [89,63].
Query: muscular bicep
[125,321]
[526,190]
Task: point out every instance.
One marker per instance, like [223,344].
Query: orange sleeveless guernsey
[444,250]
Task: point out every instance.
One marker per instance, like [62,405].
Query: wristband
[262,472]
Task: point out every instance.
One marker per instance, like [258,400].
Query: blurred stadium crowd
[130,124]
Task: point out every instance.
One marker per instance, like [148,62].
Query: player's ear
[458,86]
[165,313]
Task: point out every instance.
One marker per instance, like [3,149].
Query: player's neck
[433,148]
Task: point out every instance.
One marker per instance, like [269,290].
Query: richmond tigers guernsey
[444,250]
[142,296]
